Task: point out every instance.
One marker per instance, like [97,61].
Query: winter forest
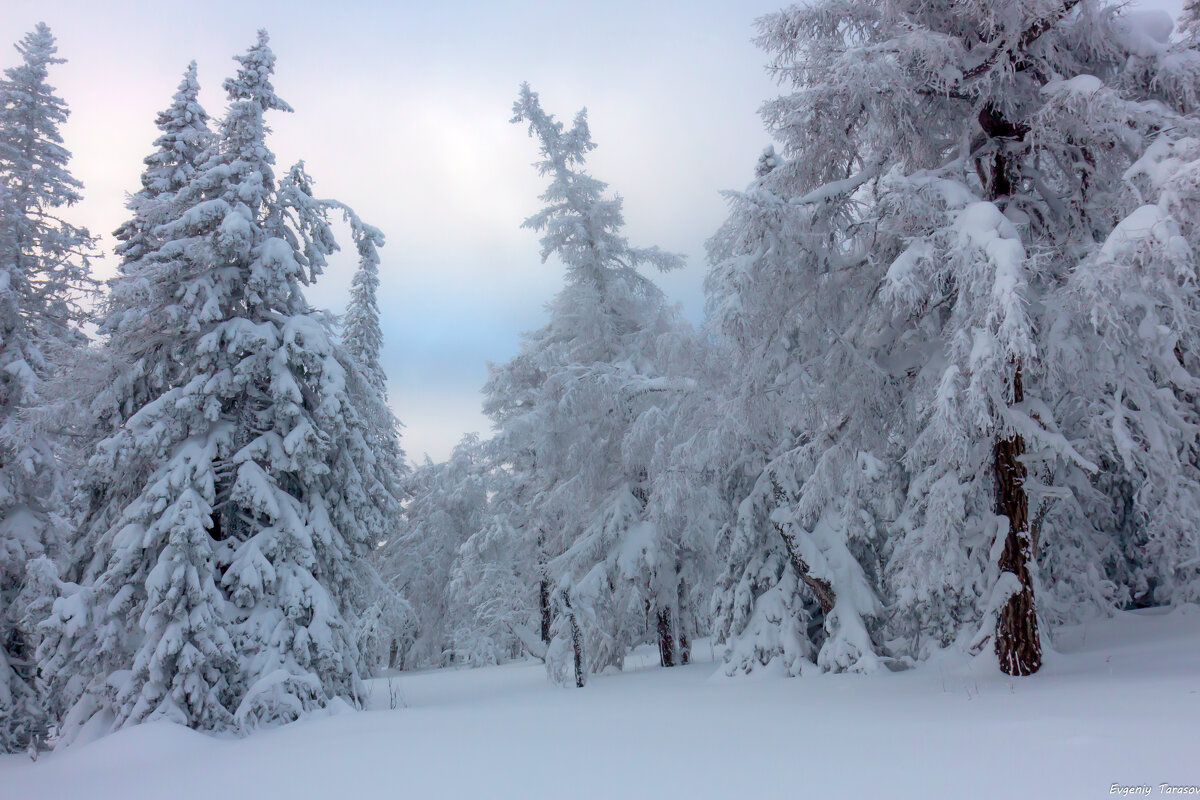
[938,434]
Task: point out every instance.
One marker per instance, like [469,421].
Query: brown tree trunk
[666,638]
[577,646]
[822,590]
[1018,644]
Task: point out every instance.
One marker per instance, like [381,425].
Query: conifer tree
[43,275]
[131,368]
[448,505]
[387,618]
[566,408]
[361,332]
[245,495]
[907,274]
[179,150]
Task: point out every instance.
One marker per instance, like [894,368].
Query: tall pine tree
[43,273]
[245,495]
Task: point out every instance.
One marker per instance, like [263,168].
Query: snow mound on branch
[1148,227]
[1146,32]
[1080,84]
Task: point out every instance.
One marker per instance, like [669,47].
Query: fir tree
[179,150]
[246,493]
[361,332]
[387,617]
[43,275]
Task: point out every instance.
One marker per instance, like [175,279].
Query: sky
[402,111]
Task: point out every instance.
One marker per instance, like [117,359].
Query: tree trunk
[666,638]
[576,640]
[822,590]
[1018,645]
[544,589]
[544,601]
[681,625]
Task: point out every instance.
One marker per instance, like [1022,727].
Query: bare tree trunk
[544,601]
[576,645]
[1018,644]
[681,626]
[544,590]
[666,637]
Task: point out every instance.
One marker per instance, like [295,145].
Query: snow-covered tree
[387,623]
[230,513]
[1135,375]
[131,367]
[179,151]
[567,406]
[448,505]
[361,331]
[362,338]
[43,275]
[904,275]
[499,596]
[1189,22]
[804,507]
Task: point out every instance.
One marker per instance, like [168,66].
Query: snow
[1146,224]
[1145,31]
[1080,84]
[1116,704]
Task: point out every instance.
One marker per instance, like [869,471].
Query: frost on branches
[232,503]
[43,274]
[959,422]
[449,504]
[569,411]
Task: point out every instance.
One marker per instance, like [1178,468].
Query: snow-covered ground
[1118,703]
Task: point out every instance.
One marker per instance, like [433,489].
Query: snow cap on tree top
[253,81]
[38,48]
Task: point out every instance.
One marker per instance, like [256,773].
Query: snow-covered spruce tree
[945,168]
[565,408]
[1134,348]
[134,366]
[240,501]
[179,151]
[43,274]
[131,364]
[387,622]
[361,332]
[362,338]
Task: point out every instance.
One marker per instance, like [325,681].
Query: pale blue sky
[402,111]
